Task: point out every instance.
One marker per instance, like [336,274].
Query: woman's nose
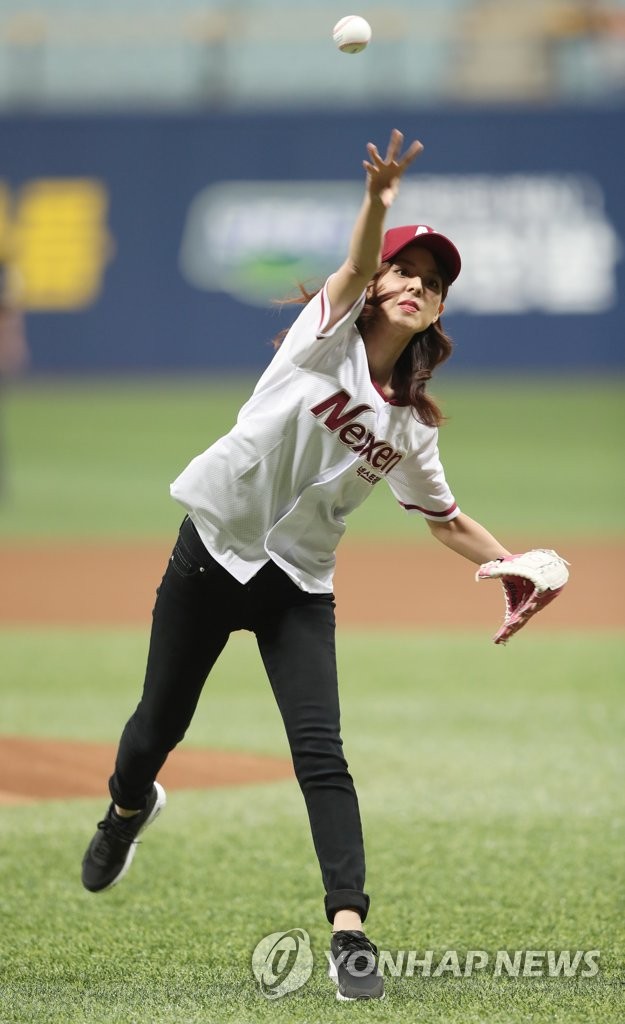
[415,285]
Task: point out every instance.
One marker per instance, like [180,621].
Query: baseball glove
[530,581]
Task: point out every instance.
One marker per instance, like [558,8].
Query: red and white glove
[530,581]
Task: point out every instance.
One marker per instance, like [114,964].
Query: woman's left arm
[468,538]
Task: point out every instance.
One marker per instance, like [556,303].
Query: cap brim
[443,250]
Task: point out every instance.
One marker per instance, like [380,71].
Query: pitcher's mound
[47,769]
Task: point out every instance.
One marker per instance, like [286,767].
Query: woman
[341,406]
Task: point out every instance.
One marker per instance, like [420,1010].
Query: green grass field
[490,780]
[91,458]
[491,792]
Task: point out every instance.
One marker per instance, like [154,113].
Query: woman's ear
[440,310]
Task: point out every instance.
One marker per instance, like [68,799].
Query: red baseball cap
[441,247]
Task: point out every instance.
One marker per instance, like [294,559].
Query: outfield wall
[157,242]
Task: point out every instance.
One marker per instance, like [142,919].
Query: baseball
[351,34]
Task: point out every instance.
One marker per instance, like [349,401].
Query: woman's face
[411,290]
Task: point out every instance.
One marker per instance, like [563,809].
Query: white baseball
[351,34]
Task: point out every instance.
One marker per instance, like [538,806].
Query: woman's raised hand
[383,175]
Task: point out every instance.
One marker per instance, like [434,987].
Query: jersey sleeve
[419,483]
[309,343]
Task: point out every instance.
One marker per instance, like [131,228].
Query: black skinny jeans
[198,605]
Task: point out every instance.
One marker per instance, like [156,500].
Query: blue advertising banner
[157,243]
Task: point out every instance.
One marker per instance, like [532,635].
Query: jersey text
[354,434]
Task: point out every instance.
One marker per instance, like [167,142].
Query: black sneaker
[110,852]
[353,966]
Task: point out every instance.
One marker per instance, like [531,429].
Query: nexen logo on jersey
[356,435]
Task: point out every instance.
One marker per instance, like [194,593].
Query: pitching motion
[342,406]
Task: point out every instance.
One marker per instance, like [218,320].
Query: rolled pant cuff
[346,899]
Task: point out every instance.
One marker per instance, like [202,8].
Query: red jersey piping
[427,512]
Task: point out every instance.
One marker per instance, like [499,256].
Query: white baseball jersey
[308,447]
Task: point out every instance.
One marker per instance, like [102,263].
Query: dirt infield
[383,586]
[46,769]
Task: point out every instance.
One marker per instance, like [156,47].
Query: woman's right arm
[363,258]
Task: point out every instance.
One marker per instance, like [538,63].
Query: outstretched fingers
[384,173]
[395,143]
[393,158]
[411,153]
[375,158]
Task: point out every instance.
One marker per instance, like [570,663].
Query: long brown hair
[425,351]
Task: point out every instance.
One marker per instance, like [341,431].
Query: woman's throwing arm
[363,258]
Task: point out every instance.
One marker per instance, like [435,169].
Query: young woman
[342,406]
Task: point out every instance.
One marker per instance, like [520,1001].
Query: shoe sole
[161,800]
[333,975]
